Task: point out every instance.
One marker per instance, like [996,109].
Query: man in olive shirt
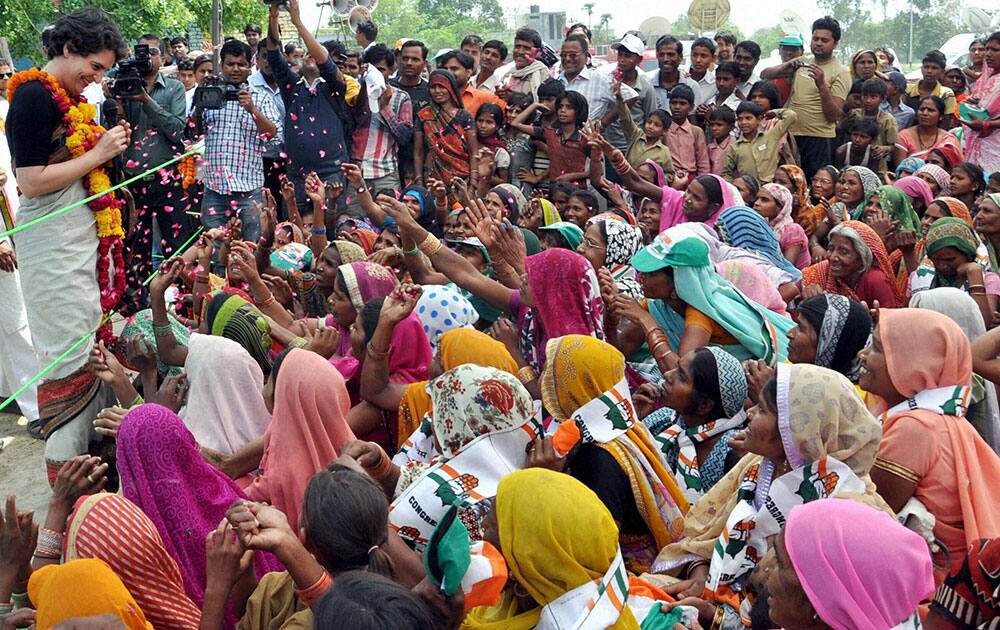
[819,88]
[158,119]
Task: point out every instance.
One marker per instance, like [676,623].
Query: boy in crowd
[720,127]
[687,144]
[895,86]
[860,151]
[873,93]
[700,70]
[727,76]
[932,69]
[755,152]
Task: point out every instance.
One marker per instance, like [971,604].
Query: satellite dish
[368,4]
[708,15]
[995,24]
[976,19]
[343,7]
[792,23]
[653,28]
[358,16]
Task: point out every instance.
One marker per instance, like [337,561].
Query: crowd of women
[667,403]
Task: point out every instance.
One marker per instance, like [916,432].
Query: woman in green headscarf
[689,305]
[893,202]
[235,318]
[956,258]
[561,234]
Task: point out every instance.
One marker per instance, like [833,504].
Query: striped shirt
[376,145]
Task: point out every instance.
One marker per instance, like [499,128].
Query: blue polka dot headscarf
[442,308]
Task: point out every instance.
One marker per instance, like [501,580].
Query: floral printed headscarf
[472,400]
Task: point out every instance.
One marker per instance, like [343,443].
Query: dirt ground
[22,467]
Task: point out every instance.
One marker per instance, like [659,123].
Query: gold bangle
[527,374]
[430,245]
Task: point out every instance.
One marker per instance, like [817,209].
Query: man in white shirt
[747,56]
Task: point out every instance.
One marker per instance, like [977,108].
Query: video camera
[214,91]
[131,77]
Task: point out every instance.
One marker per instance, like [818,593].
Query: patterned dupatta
[830,419]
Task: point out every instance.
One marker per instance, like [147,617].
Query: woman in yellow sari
[628,473]
[827,451]
[556,536]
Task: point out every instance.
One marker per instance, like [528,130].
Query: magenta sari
[567,302]
[164,474]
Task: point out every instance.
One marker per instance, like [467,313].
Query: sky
[748,15]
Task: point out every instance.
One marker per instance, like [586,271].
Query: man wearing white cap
[630,49]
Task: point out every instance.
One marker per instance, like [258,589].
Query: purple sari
[164,474]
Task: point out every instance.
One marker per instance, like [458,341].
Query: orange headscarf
[456,347]
[308,427]
[957,209]
[111,528]
[941,358]
[82,588]
[805,215]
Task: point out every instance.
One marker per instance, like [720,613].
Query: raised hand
[244,260]
[400,303]
[325,342]
[108,420]
[173,392]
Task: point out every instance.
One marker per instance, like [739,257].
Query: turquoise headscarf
[571,232]
[761,332]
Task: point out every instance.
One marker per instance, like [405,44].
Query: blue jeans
[217,209]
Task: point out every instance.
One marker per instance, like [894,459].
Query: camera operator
[313,102]
[236,137]
[157,116]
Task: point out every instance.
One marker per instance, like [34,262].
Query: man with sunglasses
[158,119]
[6,72]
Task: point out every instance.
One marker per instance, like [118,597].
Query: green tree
[21,21]
[767,39]
[438,26]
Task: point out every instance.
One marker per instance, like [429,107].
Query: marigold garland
[82,135]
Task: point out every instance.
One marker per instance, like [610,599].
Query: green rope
[62,357]
[180,251]
[76,204]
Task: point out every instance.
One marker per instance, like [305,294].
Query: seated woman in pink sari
[165,475]
[309,404]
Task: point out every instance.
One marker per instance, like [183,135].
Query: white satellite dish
[654,28]
[708,15]
[977,20]
[995,24]
[792,23]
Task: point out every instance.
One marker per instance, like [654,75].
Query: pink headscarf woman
[308,427]
[832,555]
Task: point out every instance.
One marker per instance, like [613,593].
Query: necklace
[920,140]
[82,135]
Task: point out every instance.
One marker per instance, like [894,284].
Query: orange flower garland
[82,135]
